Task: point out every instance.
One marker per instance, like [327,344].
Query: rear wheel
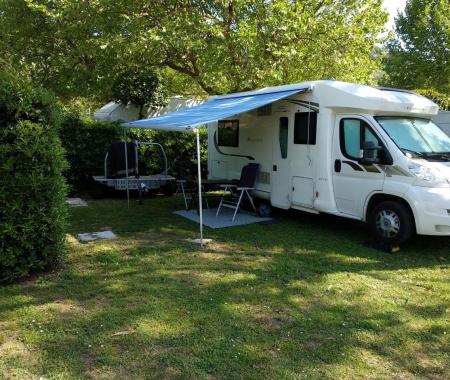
[391,222]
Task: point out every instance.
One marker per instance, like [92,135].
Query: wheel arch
[382,197]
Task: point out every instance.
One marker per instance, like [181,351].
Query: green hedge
[32,188]
[177,145]
[85,142]
[180,145]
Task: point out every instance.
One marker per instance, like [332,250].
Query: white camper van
[371,154]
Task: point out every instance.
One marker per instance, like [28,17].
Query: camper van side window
[353,134]
[283,136]
[305,128]
[228,133]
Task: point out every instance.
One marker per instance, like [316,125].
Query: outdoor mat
[91,236]
[223,219]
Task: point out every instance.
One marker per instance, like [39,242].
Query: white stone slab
[91,236]
[199,241]
[76,202]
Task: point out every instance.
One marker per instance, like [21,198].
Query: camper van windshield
[416,136]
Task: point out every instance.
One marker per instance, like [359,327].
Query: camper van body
[310,168]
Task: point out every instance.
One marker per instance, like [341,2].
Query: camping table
[207,184]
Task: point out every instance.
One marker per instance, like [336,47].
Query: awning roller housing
[215,109]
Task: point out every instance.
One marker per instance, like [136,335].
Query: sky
[393,7]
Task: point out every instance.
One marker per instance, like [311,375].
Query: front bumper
[431,207]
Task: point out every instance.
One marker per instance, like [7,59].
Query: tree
[198,46]
[139,87]
[419,54]
[228,46]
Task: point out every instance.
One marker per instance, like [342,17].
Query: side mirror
[370,153]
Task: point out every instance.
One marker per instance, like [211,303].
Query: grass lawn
[299,298]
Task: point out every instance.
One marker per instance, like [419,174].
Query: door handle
[337,166]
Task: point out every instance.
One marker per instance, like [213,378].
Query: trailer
[125,174]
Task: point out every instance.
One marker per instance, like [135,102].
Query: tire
[391,222]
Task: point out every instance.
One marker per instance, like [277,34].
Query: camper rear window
[303,134]
[228,133]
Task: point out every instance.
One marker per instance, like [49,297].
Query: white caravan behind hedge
[365,153]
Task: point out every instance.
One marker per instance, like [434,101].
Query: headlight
[427,176]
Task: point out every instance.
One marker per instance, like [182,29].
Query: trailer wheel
[391,222]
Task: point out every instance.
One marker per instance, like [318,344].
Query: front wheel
[391,222]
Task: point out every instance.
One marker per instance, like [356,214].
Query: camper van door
[280,181]
[353,182]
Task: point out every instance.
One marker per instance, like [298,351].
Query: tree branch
[193,73]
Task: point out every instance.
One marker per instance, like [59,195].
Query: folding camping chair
[242,188]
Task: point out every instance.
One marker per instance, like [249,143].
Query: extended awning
[215,109]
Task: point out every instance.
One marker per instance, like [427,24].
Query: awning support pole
[199,176]
[126,165]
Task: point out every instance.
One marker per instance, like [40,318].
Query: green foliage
[82,106]
[85,142]
[62,44]
[419,54]
[32,189]
[181,146]
[78,48]
[442,100]
[139,87]
[231,46]
[19,100]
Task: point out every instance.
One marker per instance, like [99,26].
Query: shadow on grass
[298,297]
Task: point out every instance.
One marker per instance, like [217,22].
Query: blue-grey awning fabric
[215,109]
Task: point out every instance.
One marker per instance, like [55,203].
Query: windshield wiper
[438,155]
[406,150]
